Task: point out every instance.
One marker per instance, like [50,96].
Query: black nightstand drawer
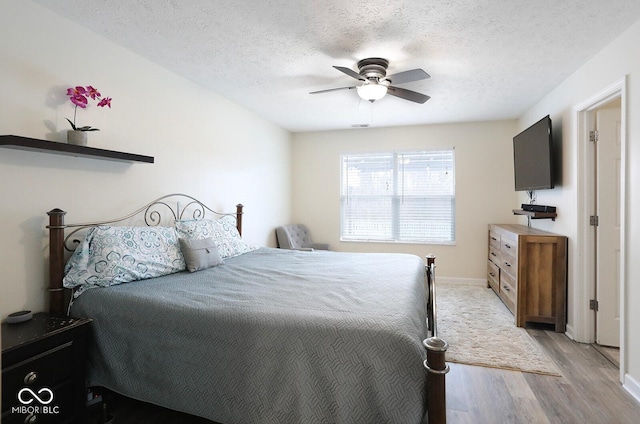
[47,370]
[43,374]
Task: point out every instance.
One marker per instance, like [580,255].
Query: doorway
[600,298]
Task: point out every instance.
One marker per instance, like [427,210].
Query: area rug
[480,330]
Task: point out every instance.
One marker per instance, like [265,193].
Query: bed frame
[64,238]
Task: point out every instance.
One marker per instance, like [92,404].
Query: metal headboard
[166,209]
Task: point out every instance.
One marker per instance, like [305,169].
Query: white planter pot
[78,138]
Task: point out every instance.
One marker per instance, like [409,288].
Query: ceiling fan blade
[408,76]
[332,89]
[350,72]
[407,94]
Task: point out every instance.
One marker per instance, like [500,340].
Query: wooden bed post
[239,207]
[435,364]
[56,261]
[436,368]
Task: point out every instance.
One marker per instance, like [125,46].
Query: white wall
[484,186]
[612,64]
[203,145]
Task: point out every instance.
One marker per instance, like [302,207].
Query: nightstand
[43,370]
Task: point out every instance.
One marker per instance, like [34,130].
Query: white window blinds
[398,196]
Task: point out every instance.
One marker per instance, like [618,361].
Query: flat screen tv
[533,157]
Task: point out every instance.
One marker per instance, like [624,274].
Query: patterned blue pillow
[223,231]
[114,255]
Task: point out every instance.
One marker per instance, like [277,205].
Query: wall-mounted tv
[533,157]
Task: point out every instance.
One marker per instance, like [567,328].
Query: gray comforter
[271,336]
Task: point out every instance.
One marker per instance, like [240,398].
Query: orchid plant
[80,96]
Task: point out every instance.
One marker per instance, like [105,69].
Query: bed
[265,335]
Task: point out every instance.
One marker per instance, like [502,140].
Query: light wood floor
[588,391]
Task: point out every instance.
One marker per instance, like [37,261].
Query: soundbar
[538,208]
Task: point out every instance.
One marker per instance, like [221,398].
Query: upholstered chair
[296,236]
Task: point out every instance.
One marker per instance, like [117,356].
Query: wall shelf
[44,146]
[536,215]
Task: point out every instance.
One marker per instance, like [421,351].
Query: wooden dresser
[527,268]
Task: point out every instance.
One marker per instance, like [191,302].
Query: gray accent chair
[296,236]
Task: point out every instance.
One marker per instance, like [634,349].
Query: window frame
[397,197]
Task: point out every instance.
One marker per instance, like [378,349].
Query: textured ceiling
[488,59]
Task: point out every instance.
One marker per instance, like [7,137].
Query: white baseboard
[459,280]
[569,332]
[632,386]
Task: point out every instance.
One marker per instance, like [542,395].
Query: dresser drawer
[509,246]
[493,276]
[494,240]
[494,255]
[508,283]
[508,301]
[508,292]
[509,264]
[49,369]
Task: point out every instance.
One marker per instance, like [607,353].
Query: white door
[607,173]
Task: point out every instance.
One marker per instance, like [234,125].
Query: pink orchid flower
[92,92]
[80,96]
[79,100]
[106,101]
[76,91]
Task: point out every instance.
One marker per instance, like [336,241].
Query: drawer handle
[507,246]
[504,286]
[493,254]
[508,264]
[494,239]
[30,378]
[492,274]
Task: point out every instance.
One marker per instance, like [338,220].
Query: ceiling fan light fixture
[375,84]
[371,92]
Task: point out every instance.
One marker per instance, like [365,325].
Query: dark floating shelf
[36,145]
[536,215]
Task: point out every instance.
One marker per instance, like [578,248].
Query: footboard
[435,364]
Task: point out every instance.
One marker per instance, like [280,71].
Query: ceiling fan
[376,84]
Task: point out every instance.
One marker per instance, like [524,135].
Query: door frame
[584,284]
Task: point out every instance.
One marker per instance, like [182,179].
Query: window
[398,196]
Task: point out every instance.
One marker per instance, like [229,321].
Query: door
[607,199]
